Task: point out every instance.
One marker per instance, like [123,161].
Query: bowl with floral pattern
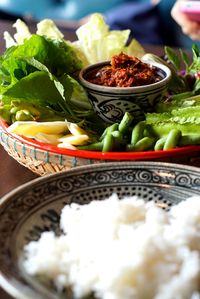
[124,84]
[35,207]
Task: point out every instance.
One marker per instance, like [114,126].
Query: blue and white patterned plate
[35,207]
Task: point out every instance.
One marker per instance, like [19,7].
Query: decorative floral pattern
[36,206]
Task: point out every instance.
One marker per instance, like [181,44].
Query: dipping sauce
[124,71]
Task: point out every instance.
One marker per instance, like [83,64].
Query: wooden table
[12,174]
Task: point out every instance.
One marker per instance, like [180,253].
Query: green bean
[97,146]
[160,144]
[117,134]
[108,143]
[193,139]
[120,141]
[172,139]
[147,131]
[137,132]
[113,127]
[144,144]
[109,129]
[125,122]
[118,138]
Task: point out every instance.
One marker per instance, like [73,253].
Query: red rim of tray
[99,155]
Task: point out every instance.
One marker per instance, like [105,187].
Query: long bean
[125,123]
[160,144]
[109,129]
[137,132]
[172,139]
[119,139]
[143,144]
[108,143]
[97,146]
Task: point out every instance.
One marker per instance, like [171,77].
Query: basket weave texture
[43,162]
[39,161]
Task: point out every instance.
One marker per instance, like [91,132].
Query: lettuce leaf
[30,89]
[48,28]
[98,43]
[57,56]
[22,32]
[41,72]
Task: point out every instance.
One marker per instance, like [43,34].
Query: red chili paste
[124,71]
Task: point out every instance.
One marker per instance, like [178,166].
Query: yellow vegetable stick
[31,128]
[48,138]
[75,129]
[75,140]
[66,145]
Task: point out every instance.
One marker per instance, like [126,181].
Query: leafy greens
[41,73]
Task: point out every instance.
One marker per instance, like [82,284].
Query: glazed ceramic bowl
[35,207]
[110,103]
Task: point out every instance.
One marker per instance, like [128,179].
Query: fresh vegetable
[143,144]
[31,128]
[125,123]
[52,139]
[114,136]
[159,145]
[42,99]
[74,139]
[61,133]
[176,119]
[38,78]
[137,132]
[172,139]
[38,72]
[97,43]
[188,75]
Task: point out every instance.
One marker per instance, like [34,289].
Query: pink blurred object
[191,9]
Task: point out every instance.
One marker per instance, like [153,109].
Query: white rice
[123,249]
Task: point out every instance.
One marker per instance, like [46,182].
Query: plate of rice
[113,230]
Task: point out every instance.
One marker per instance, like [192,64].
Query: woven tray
[43,162]
[40,161]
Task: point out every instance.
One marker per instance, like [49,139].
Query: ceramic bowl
[35,207]
[110,103]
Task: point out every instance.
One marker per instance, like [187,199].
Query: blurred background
[150,21]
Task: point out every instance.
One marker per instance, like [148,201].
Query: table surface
[12,174]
